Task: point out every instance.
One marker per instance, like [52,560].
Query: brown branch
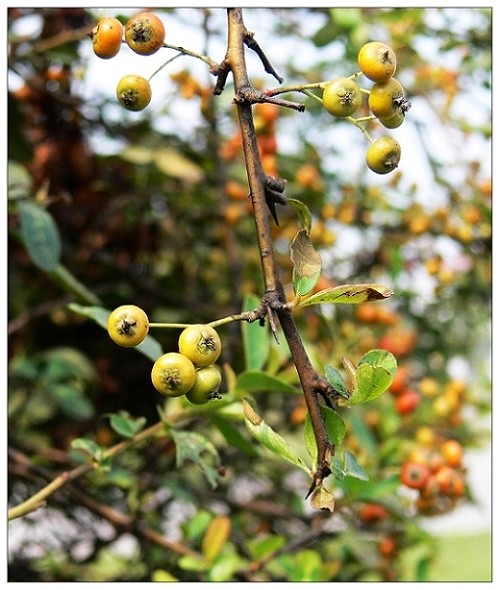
[38,500]
[118,519]
[252,44]
[274,298]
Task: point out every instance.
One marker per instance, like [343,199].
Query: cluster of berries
[191,371]
[144,33]
[343,98]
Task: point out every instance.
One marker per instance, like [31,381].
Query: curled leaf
[303,214]
[353,294]
[322,499]
[307,263]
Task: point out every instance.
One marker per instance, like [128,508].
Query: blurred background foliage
[153,209]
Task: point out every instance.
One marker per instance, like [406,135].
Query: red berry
[414,475]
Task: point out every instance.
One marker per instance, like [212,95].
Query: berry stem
[357,123]
[167,325]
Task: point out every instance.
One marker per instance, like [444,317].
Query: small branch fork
[265,192]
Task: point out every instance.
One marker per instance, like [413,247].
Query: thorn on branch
[273,190]
[252,44]
[222,73]
[322,472]
[272,324]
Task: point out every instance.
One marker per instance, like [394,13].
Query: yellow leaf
[173,163]
[215,537]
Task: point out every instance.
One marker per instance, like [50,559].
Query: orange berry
[399,341]
[367,312]
[400,382]
[407,401]
[448,480]
[387,546]
[452,452]
[372,512]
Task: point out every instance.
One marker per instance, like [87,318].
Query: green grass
[462,558]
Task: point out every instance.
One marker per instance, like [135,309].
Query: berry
[414,475]
[394,121]
[377,61]
[342,97]
[452,452]
[173,374]
[206,385]
[372,512]
[107,37]
[128,325]
[201,344]
[407,401]
[144,33]
[383,155]
[133,92]
[386,98]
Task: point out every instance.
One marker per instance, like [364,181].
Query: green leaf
[335,428]
[381,490]
[68,364]
[40,235]
[125,425]
[352,468]
[303,213]
[195,527]
[269,438]
[72,402]
[254,381]
[334,424]
[364,434]
[162,575]
[192,563]
[310,439]
[336,380]
[307,264]
[352,294]
[88,446]
[193,446]
[325,35]
[149,347]
[232,435]
[374,374]
[256,342]
[380,358]
[224,567]
[262,548]
[19,184]
[371,382]
[396,261]
[308,567]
